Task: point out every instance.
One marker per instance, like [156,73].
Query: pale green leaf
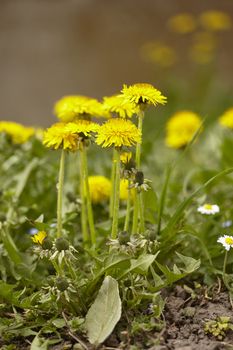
[104,313]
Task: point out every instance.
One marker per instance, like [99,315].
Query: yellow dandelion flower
[182,23]
[118,132]
[143,94]
[18,133]
[125,157]
[159,53]
[118,105]
[83,127]
[215,20]
[39,237]
[70,108]
[181,128]
[57,137]
[68,135]
[226,119]
[100,188]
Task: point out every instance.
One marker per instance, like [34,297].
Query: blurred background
[51,48]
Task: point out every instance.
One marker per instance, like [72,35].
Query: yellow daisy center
[229,240]
[208,206]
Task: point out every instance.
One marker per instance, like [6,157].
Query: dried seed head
[123,237]
[62,244]
[62,284]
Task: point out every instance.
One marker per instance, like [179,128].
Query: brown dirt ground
[184,319]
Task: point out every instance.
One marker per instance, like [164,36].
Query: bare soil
[184,317]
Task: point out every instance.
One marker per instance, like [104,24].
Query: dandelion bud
[47,243]
[62,284]
[123,237]
[62,244]
[139,178]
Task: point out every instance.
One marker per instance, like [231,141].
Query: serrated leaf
[39,344]
[42,344]
[190,263]
[140,265]
[104,313]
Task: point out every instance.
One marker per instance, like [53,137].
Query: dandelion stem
[116,200]
[88,198]
[127,217]
[138,164]
[138,146]
[141,212]
[113,173]
[135,213]
[83,202]
[60,186]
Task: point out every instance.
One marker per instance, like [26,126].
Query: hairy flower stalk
[116,199]
[128,208]
[83,203]
[138,199]
[113,173]
[60,186]
[87,195]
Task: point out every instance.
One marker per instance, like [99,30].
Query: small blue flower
[32,231]
[227,223]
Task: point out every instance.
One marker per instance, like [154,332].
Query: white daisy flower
[226,241]
[208,209]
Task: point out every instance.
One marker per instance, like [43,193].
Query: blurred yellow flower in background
[181,128]
[124,185]
[182,23]
[118,132]
[100,188]
[143,93]
[118,105]
[18,133]
[159,53]
[215,20]
[226,119]
[70,108]
[203,49]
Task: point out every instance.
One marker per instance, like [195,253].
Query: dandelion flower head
[70,108]
[118,132]
[39,237]
[226,241]
[68,135]
[181,128]
[182,23]
[143,93]
[208,209]
[226,119]
[100,188]
[18,133]
[215,20]
[118,105]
